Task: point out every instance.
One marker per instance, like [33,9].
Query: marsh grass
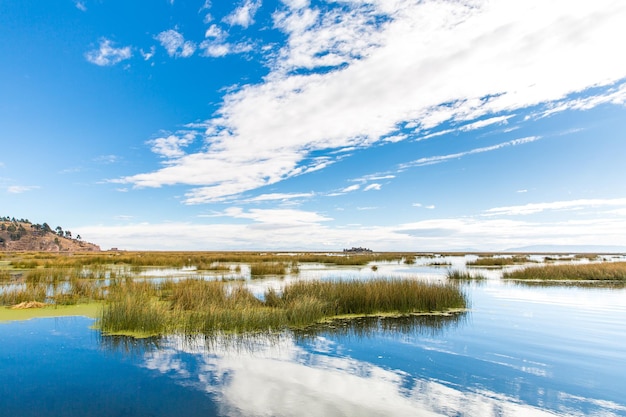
[205,307]
[5,275]
[268,268]
[456,275]
[606,271]
[24,293]
[439,263]
[499,260]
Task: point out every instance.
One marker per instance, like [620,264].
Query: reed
[606,271]
[5,275]
[23,293]
[198,306]
[399,296]
[500,261]
[268,268]
[456,275]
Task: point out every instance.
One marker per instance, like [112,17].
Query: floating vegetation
[268,268]
[486,261]
[206,307]
[456,275]
[606,271]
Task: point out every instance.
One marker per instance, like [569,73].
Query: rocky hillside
[22,235]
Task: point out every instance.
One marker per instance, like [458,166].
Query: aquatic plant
[268,268]
[608,271]
[198,306]
[456,275]
[500,260]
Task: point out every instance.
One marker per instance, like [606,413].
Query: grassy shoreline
[91,310]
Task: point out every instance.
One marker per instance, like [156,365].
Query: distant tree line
[357,250]
[16,229]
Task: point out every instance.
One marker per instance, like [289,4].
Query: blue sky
[316,125]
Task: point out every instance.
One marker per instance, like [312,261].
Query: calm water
[520,351]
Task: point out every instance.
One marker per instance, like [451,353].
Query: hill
[22,235]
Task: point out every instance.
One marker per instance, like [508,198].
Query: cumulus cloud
[80,5]
[243,15]
[107,54]
[354,73]
[175,44]
[171,146]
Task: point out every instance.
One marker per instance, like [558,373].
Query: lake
[521,350]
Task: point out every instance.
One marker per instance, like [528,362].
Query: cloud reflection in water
[312,373]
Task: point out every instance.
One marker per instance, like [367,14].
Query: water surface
[520,351]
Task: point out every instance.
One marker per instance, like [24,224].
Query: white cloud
[148,55]
[373,186]
[107,54]
[442,158]
[276,217]
[19,189]
[615,95]
[243,15]
[351,188]
[171,146]
[279,196]
[80,5]
[533,208]
[365,70]
[486,122]
[285,229]
[175,44]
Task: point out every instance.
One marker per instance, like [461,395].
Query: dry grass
[607,271]
[500,260]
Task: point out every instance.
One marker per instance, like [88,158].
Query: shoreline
[90,310]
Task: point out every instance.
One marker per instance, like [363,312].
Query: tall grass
[375,296]
[456,275]
[500,260]
[22,293]
[268,268]
[197,306]
[607,271]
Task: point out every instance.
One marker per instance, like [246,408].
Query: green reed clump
[80,291]
[456,275]
[268,268]
[135,307]
[198,306]
[607,271]
[401,296]
[500,260]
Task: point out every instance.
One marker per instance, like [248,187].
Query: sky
[397,125]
